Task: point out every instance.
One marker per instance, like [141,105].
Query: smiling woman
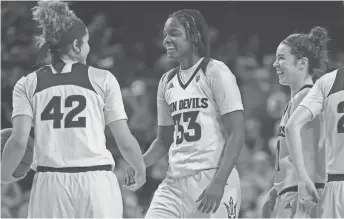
[300,56]
[200,123]
[186,37]
[69,103]
[300,60]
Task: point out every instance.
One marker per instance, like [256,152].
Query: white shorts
[287,203]
[285,206]
[93,194]
[332,200]
[176,198]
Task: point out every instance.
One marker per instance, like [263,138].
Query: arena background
[125,38]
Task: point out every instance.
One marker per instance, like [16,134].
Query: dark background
[125,39]
[272,20]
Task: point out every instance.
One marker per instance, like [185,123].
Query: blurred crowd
[264,100]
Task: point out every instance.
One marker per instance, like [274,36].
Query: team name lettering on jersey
[190,103]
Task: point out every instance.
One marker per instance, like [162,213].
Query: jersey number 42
[53,112]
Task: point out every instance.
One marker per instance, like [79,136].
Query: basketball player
[326,98]
[299,60]
[69,104]
[200,124]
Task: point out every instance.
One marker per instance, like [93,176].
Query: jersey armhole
[338,83]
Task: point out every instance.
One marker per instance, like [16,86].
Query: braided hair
[196,29]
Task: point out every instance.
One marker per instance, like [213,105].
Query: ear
[77,46]
[303,63]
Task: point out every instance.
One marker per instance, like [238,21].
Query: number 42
[53,112]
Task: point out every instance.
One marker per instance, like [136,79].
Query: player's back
[68,112]
[333,113]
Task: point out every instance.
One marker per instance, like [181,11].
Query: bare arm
[160,146]
[163,141]
[228,99]
[298,119]
[234,122]
[307,110]
[15,147]
[128,145]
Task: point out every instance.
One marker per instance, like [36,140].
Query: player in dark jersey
[69,103]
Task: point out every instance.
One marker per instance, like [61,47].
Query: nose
[166,40]
[275,64]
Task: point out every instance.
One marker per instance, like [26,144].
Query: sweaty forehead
[173,23]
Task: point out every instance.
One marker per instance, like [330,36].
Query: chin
[172,56]
[282,82]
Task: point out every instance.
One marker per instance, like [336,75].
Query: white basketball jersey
[327,98]
[70,111]
[195,109]
[311,144]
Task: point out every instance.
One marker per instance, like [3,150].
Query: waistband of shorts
[189,173]
[74,169]
[335,177]
[295,188]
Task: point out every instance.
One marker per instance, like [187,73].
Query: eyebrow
[173,29]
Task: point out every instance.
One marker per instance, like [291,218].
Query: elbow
[238,136]
[165,136]
[16,143]
[20,144]
[289,128]
[166,142]
[292,130]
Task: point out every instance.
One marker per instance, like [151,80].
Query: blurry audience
[264,101]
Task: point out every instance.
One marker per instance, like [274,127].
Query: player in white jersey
[200,122]
[69,103]
[327,99]
[298,60]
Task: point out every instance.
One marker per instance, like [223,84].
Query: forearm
[231,154]
[131,151]
[293,137]
[12,155]
[156,151]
